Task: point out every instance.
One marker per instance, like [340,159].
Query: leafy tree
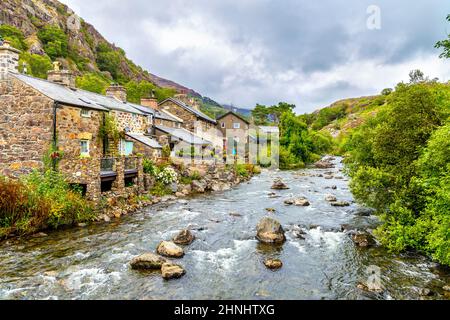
[444,45]
[259,114]
[55,41]
[277,110]
[386,92]
[416,76]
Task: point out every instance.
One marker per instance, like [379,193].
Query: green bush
[39,201]
[37,65]
[92,82]
[13,35]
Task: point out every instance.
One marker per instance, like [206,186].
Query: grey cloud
[298,36]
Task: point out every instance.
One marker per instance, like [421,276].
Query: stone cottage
[236,134]
[53,120]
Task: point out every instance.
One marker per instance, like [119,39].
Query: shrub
[37,65]
[13,35]
[167,175]
[149,167]
[38,201]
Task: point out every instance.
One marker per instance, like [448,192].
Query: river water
[225,261]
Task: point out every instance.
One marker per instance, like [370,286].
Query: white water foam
[318,238]
[222,259]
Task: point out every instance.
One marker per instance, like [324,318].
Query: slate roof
[190,109]
[145,140]
[184,135]
[235,114]
[155,113]
[76,97]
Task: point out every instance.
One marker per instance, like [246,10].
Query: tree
[37,65]
[92,82]
[445,45]
[277,110]
[259,114]
[55,41]
[416,76]
[386,92]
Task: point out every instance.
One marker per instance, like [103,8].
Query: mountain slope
[83,42]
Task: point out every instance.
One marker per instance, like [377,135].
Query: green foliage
[399,162]
[37,65]
[110,60]
[144,89]
[13,35]
[327,115]
[260,114]
[55,41]
[160,189]
[39,201]
[444,45]
[92,82]
[387,91]
[166,151]
[149,167]
[109,129]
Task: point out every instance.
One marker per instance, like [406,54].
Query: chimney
[62,77]
[117,91]
[150,102]
[9,59]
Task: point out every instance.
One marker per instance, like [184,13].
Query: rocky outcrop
[185,237]
[273,264]
[269,230]
[148,261]
[172,271]
[170,249]
[278,184]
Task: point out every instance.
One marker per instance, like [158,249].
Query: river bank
[225,261]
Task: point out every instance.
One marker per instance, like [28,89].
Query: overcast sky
[310,53]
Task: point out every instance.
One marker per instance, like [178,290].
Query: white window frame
[236,125]
[86,153]
[85,113]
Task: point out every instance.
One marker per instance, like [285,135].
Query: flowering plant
[167,175]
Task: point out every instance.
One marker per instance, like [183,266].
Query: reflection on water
[225,261]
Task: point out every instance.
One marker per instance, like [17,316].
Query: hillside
[339,118]
[47,30]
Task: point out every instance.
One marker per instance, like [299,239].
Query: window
[126,147]
[85,113]
[223,124]
[236,125]
[84,147]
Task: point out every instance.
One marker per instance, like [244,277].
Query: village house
[51,119]
[235,132]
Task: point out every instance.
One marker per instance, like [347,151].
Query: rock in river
[330,198]
[300,202]
[324,164]
[273,264]
[340,204]
[170,249]
[148,261]
[362,239]
[270,231]
[279,185]
[185,237]
[171,271]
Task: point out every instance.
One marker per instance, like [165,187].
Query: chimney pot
[117,91]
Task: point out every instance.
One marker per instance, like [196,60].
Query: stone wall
[134,122]
[71,129]
[26,121]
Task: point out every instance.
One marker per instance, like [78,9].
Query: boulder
[271,210]
[269,230]
[323,164]
[172,271]
[330,198]
[362,239]
[279,185]
[328,177]
[235,214]
[170,249]
[273,195]
[340,204]
[446,288]
[363,212]
[185,237]
[273,264]
[300,202]
[198,186]
[148,261]
[334,187]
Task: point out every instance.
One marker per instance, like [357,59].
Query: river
[225,261]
